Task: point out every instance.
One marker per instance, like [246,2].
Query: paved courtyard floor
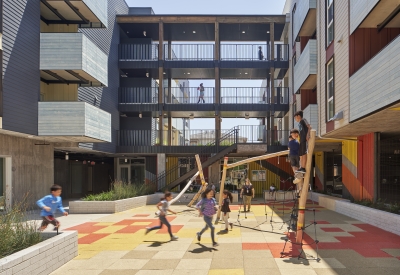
[116,244]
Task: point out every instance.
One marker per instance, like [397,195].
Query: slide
[184,189]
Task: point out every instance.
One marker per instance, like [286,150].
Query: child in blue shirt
[294,147]
[49,204]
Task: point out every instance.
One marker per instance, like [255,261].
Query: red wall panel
[308,96]
[366,162]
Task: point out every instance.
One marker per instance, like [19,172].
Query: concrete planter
[44,257]
[109,207]
[381,219]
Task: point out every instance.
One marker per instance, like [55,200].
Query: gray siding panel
[306,65]
[302,8]
[359,9]
[107,40]
[21,47]
[377,83]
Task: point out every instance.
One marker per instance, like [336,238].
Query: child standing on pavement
[49,205]
[163,208]
[207,208]
[225,208]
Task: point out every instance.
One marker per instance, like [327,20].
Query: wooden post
[304,190]
[203,182]
[273,155]
[221,188]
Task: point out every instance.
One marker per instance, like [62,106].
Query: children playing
[304,133]
[207,208]
[294,152]
[49,204]
[163,208]
[272,190]
[225,208]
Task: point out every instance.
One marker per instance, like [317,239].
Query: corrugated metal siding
[171,163]
[259,186]
[319,170]
[349,150]
[283,165]
[21,48]
[365,168]
[107,40]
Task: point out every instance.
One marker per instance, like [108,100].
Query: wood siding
[107,39]
[369,94]
[73,119]
[306,64]
[21,49]
[302,9]
[359,9]
[73,51]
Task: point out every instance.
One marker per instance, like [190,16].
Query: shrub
[381,205]
[16,231]
[121,190]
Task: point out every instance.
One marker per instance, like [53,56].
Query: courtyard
[117,244]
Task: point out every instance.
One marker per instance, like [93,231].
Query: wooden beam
[221,189]
[203,182]
[305,187]
[184,19]
[282,153]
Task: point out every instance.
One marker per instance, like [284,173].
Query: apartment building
[344,76]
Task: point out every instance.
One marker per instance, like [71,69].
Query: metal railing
[281,52]
[190,95]
[189,52]
[131,52]
[244,95]
[137,95]
[244,52]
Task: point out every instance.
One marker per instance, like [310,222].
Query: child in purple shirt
[207,208]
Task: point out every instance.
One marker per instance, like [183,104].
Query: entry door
[125,173]
[137,174]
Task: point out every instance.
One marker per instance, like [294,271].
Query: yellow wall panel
[319,161]
[58,92]
[259,186]
[349,150]
[171,163]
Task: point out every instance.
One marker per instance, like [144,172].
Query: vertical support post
[272,77]
[169,130]
[217,90]
[221,188]
[304,190]
[203,182]
[160,81]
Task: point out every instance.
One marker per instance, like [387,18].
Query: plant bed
[109,207]
[43,257]
[381,219]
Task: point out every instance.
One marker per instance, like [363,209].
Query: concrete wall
[32,167]
[44,257]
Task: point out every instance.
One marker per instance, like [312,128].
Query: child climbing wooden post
[221,189]
[203,182]
[304,191]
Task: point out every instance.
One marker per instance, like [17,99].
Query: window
[329,22]
[330,89]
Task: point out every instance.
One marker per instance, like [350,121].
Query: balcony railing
[190,95]
[138,95]
[249,134]
[189,52]
[253,95]
[138,52]
[242,52]
[281,52]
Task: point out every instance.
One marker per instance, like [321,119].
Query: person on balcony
[201,96]
[260,54]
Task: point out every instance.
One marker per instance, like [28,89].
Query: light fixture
[194,31]
[144,33]
[127,31]
[126,160]
[267,31]
[164,73]
[184,32]
[188,73]
[66,156]
[246,116]
[191,116]
[147,74]
[123,115]
[245,73]
[140,115]
[102,162]
[76,160]
[124,75]
[243,32]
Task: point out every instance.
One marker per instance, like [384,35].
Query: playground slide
[184,189]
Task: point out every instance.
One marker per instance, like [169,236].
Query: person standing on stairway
[247,193]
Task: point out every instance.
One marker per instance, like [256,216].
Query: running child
[163,208]
[49,205]
[225,208]
[207,208]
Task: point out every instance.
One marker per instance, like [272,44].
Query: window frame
[293,13]
[332,98]
[331,23]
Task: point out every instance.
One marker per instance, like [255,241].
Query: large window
[329,22]
[330,89]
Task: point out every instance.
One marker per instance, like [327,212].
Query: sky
[215,7]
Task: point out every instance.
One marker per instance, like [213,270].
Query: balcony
[364,14]
[72,58]
[74,122]
[305,71]
[369,94]
[305,18]
[234,101]
[86,13]
[310,113]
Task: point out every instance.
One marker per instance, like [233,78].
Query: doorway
[132,170]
